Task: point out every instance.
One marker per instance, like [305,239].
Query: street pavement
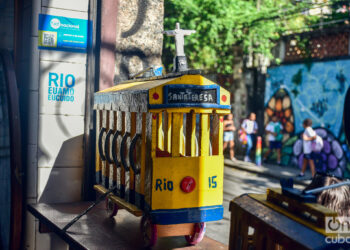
[240,178]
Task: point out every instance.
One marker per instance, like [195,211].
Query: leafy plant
[221,24]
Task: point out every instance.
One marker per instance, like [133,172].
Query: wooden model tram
[160,143]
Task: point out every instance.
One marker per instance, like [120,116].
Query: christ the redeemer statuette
[180,61]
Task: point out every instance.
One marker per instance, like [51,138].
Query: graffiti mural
[316,91]
[332,159]
[280,105]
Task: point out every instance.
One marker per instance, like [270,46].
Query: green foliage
[220,24]
[223,24]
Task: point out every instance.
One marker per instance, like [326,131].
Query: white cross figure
[179,38]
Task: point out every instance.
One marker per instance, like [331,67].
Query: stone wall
[139,39]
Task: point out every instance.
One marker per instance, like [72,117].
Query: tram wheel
[198,234]
[149,231]
[111,208]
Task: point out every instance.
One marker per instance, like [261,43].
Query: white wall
[55,129]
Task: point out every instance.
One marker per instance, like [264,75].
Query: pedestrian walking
[229,128]
[308,136]
[249,127]
[274,132]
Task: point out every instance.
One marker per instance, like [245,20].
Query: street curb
[252,168]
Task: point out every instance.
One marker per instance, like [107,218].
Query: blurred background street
[238,182]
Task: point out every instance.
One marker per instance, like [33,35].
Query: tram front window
[187,134]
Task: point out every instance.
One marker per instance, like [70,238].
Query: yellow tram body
[160,142]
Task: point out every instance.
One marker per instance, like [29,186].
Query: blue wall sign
[63,33]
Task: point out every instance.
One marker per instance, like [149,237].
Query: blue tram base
[187,215]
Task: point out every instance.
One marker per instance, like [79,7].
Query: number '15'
[212,182]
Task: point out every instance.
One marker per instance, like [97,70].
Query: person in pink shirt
[229,128]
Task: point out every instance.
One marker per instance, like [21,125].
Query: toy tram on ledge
[160,143]
[159,148]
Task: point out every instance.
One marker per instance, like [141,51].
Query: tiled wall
[318,47]
[54,129]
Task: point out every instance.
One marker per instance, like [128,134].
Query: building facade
[313,82]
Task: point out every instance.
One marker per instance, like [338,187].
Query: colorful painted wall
[317,91]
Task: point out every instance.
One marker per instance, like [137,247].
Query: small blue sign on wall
[63,33]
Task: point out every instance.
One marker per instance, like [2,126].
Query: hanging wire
[318,25]
[284,15]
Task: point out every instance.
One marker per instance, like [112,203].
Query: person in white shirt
[250,127]
[274,131]
[308,136]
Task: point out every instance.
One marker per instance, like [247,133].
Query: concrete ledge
[97,231]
